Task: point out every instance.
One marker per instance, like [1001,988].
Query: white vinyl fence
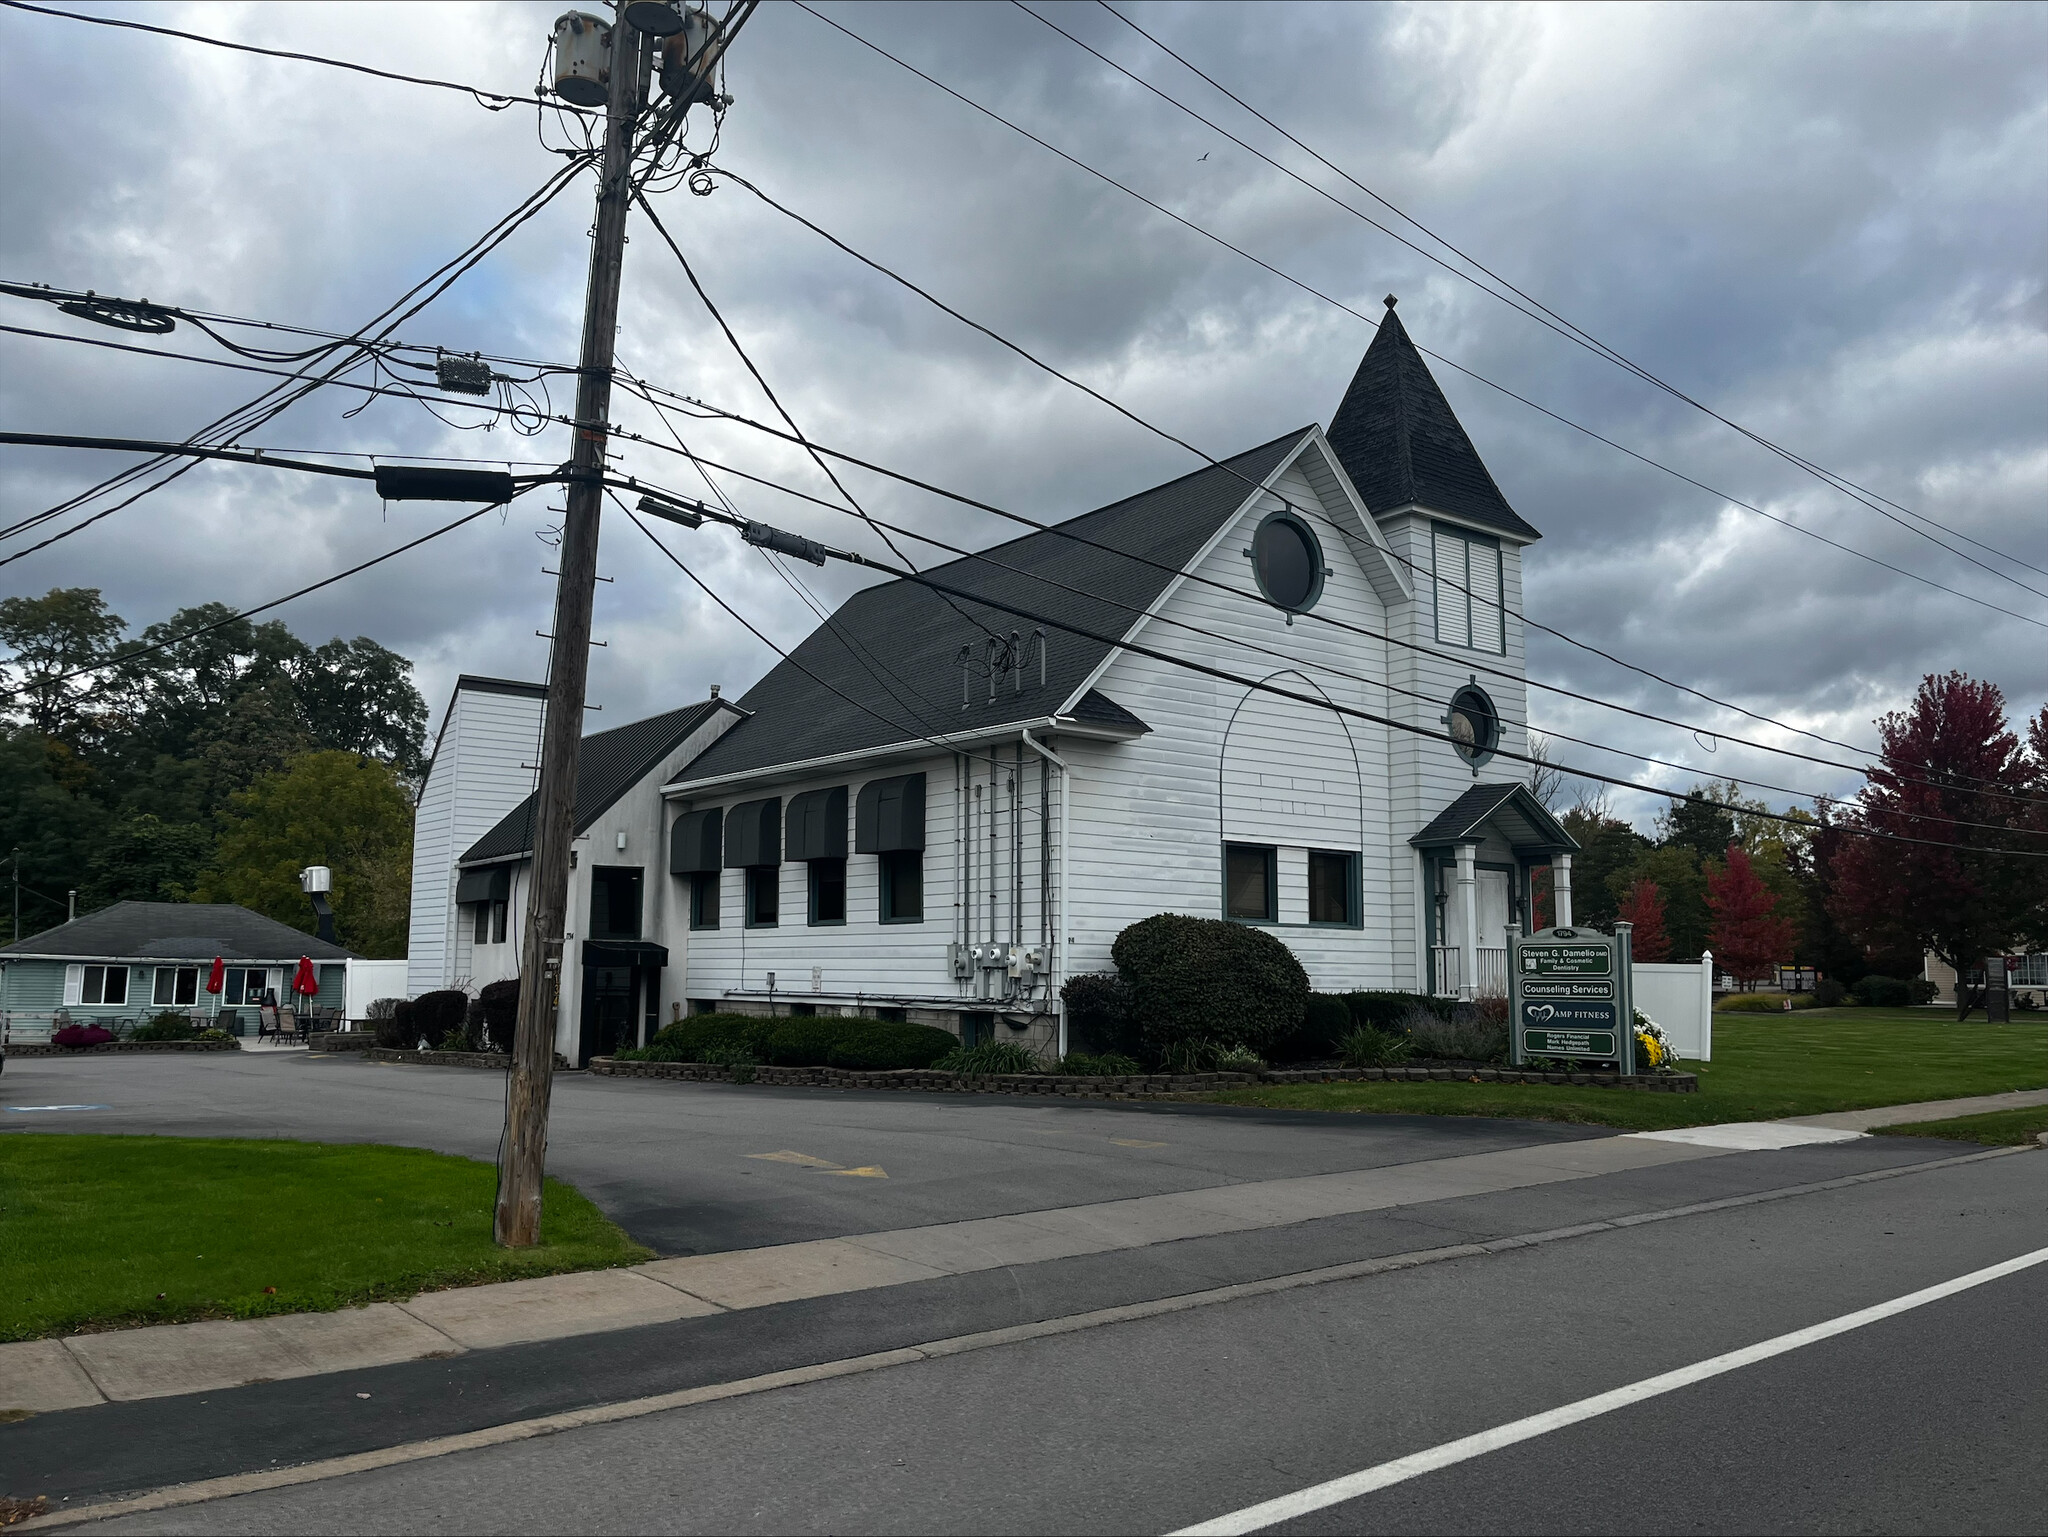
[1681,999]
[371,980]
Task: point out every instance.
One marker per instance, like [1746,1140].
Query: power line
[484,98]
[1462,662]
[981,557]
[1207,234]
[1570,331]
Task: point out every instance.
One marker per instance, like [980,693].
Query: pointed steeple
[1400,442]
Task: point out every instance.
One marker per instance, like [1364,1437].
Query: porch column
[1561,888]
[1468,904]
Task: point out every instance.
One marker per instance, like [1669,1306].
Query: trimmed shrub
[885,1046]
[1108,1064]
[806,1040]
[991,1057]
[500,1002]
[1473,1036]
[381,1009]
[1750,1003]
[688,1040]
[395,1032]
[1875,992]
[1369,1046]
[1201,979]
[1828,993]
[1804,1001]
[1324,1021]
[166,1026]
[1098,1010]
[438,1015]
[1920,990]
[1386,1011]
[76,1036]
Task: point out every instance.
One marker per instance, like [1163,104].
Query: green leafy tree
[343,810]
[66,629]
[1674,869]
[43,824]
[359,697]
[144,859]
[1608,852]
[1699,823]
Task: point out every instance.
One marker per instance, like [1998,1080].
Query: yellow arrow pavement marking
[867,1171]
[805,1159]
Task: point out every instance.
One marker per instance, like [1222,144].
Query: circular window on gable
[1474,725]
[1288,562]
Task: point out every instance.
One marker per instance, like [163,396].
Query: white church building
[943,804]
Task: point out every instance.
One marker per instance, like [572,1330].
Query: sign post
[1570,996]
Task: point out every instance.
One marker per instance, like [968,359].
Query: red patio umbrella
[217,978]
[303,980]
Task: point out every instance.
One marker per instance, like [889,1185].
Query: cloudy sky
[1827,223]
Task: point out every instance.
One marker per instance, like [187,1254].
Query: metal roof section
[183,931]
[1508,809]
[899,664]
[609,764]
[1403,446]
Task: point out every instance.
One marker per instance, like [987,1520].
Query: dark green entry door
[608,1022]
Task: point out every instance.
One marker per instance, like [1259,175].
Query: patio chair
[268,1021]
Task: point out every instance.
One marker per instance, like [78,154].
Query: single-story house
[2029,979]
[936,808]
[135,959]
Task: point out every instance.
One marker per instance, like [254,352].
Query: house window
[1468,591]
[481,934]
[902,881]
[1287,559]
[764,896]
[828,890]
[704,899]
[1333,888]
[1474,725]
[1248,881]
[615,902]
[500,911]
[243,984]
[176,985]
[104,984]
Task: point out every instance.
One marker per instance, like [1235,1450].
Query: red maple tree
[1643,906]
[1954,785]
[1747,941]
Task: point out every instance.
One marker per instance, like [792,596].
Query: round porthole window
[1288,561]
[1474,727]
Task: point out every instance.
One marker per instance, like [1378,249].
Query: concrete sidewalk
[126,1365]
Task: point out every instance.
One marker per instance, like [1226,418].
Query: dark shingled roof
[1513,812]
[895,647]
[1399,441]
[610,764]
[177,931]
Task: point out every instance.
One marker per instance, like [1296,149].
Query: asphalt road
[675,1164]
[1931,1421]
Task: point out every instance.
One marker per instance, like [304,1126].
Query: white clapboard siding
[476,777]
[1150,816]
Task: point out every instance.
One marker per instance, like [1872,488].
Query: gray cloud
[1827,222]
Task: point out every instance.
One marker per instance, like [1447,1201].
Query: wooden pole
[523,1161]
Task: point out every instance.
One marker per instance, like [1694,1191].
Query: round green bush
[1875,992]
[883,1046]
[805,1040]
[690,1039]
[395,1032]
[438,1015]
[1204,979]
[1098,1009]
[501,1011]
[1828,993]
[167,1026]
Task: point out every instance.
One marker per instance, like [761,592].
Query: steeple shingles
[1400,442]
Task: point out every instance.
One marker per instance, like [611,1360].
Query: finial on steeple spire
[1392,301]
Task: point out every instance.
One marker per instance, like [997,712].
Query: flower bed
[1135,1086]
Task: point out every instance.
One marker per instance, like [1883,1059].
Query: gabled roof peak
[1400,442]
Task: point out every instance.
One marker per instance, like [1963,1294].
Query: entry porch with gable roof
[1480,855]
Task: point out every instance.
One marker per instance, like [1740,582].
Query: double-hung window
[704,899]
[1468,590]
[176,986]
[1333,895]
[1250,879]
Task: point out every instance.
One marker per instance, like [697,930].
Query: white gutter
[1059,932]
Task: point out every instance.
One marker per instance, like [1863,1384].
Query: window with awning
[817,824]
[696,842]
[492,884]
[753,834]
[889,815]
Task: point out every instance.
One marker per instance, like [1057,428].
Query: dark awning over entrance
[623,952]
[1510,810]
[491,884]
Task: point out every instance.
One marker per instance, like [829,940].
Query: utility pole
[523,1162]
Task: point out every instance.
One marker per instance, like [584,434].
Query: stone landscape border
[489,1059]
[1135,1086]
[45,1049]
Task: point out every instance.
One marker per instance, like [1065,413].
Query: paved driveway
[681,1166]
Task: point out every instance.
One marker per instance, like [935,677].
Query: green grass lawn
[102,1231]
[2001,1128]
[1765,1066]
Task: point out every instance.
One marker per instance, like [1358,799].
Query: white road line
[1303,1502]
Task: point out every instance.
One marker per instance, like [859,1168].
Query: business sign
[1570,996]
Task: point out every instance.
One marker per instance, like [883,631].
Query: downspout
[1058,955]
[961,894]
[1017,849]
